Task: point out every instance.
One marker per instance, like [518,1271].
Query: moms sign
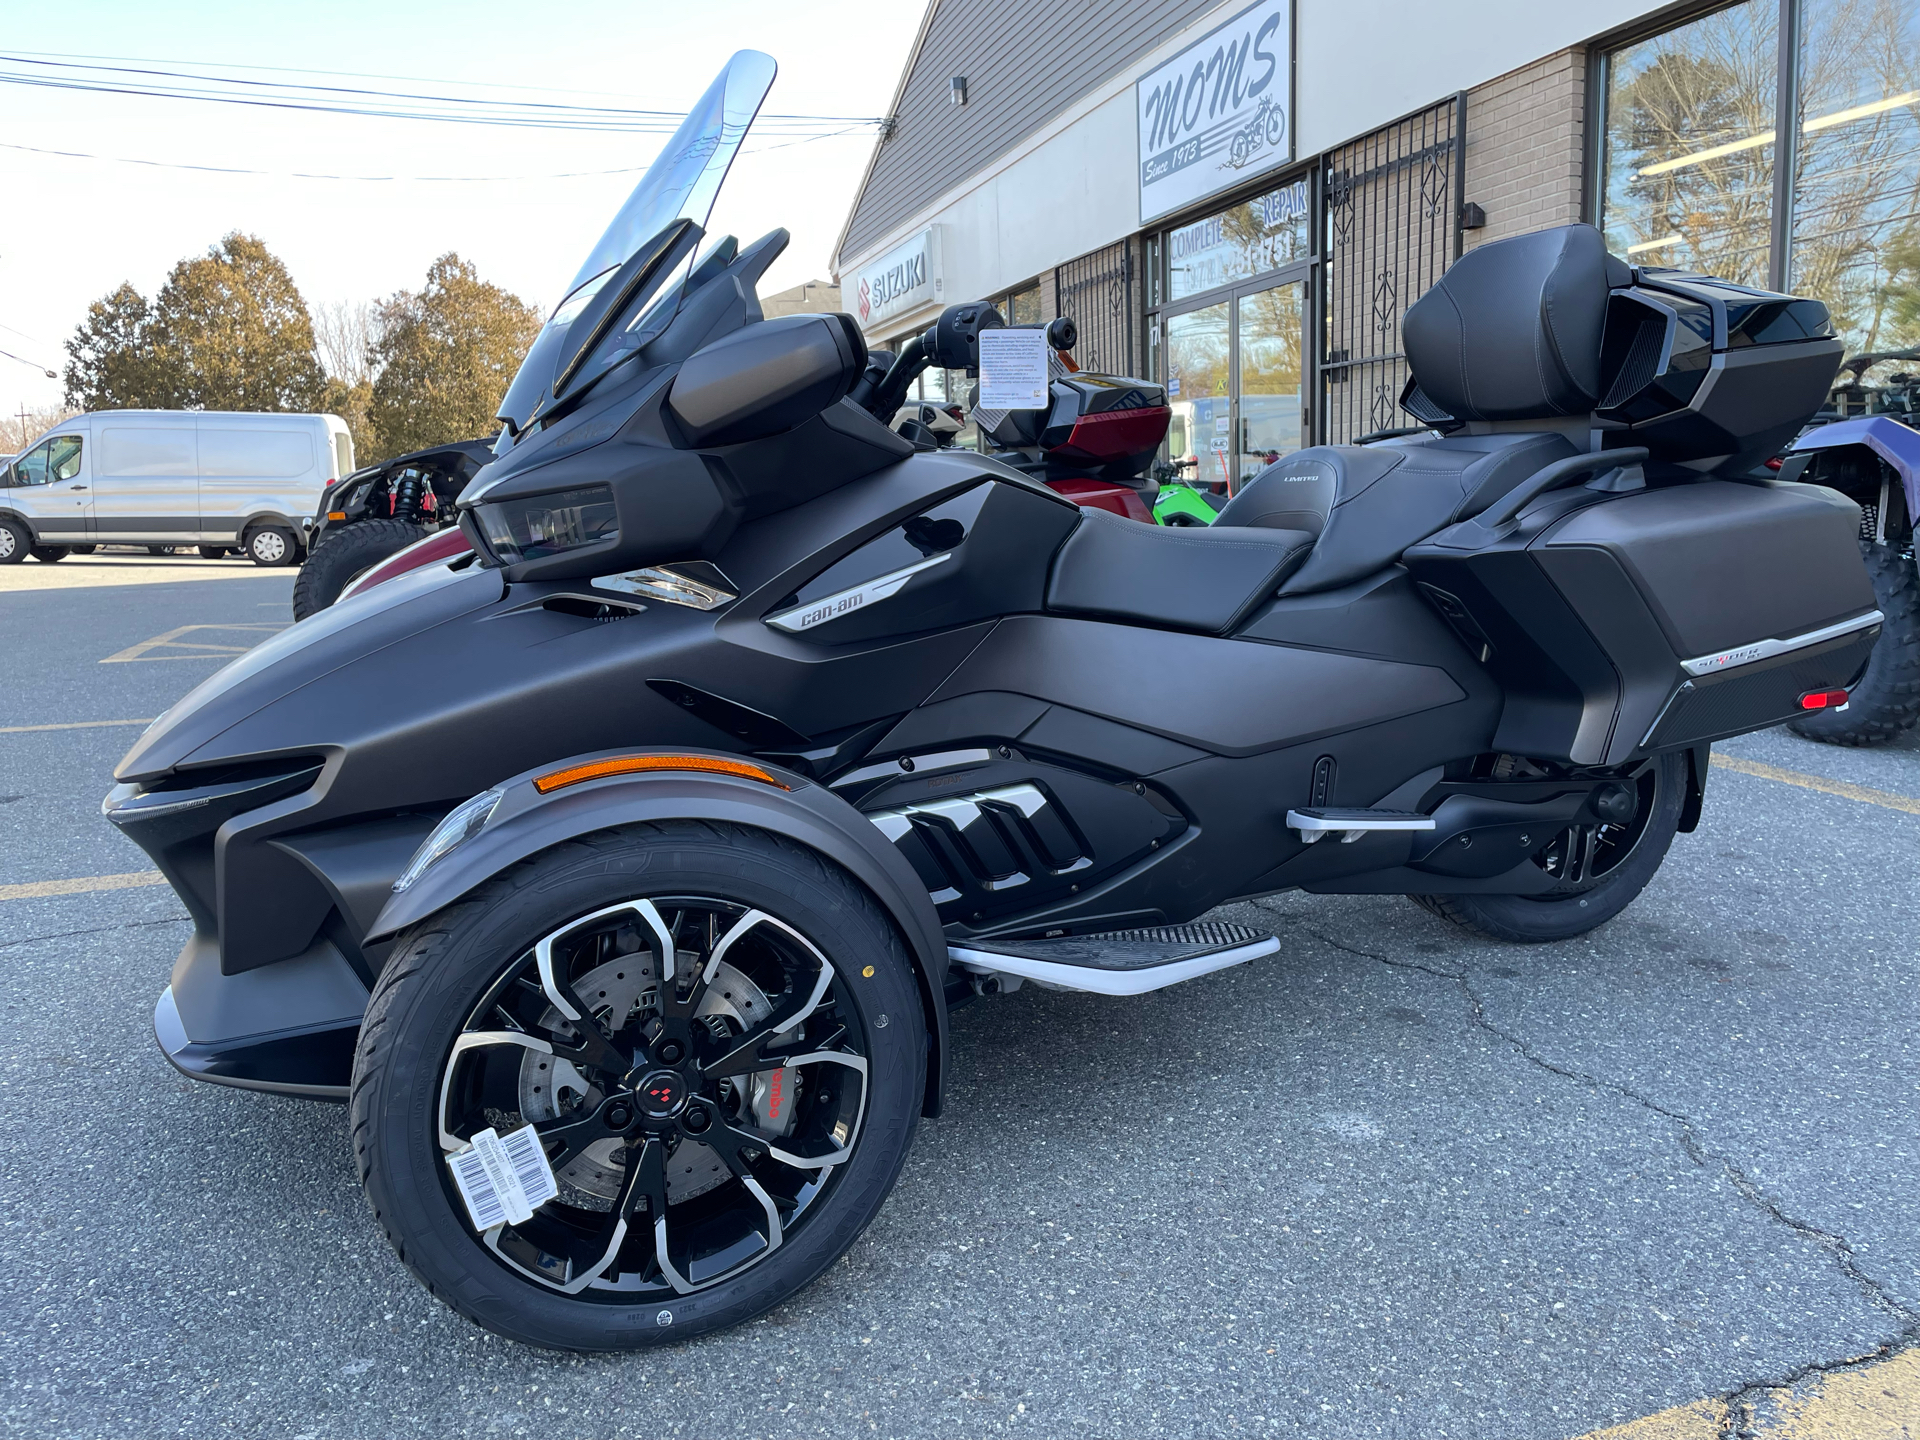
[1219,112]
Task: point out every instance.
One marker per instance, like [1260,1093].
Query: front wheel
[1598,869]
[704,1043]
[1885,701]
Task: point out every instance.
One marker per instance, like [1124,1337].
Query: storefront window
[1022,307]
[1263,234]
[1856,194]
[1689,153]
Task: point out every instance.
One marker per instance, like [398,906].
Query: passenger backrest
[1512,331]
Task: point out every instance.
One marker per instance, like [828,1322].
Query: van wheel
[717,1041]
[272,546]
[15,542]
[214,552]
[82,549]
[1599,869]
[1885,701]
[49,553]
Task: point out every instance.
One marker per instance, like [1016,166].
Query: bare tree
[24,426]
[343,332]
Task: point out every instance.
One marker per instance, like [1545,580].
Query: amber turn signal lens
[336,514]
[641,764]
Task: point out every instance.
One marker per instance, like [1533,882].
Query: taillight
[1775,463]
[1823,699]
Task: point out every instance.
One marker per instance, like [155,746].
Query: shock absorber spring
[406,496]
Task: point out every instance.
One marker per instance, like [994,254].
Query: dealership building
[1241,200]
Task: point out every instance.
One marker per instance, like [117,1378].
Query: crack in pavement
[95,930]
[1741,1399]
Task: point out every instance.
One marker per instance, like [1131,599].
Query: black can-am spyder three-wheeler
[620,874]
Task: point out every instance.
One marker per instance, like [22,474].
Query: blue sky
[81,226]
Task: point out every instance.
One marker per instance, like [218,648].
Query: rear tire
[49,553]
[1884,703]
[272,546]
[82,549]
[345,554]
[456,974]
[214,552]
[1574,909]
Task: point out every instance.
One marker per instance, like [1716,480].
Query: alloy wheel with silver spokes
[692,1078]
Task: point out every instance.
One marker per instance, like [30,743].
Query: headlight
[542,525]
[465,822]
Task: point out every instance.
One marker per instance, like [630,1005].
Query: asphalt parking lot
[1393,1182]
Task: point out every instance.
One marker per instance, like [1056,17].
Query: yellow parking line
[73,725]
[40,889]
[1875,1402]
[1865,795]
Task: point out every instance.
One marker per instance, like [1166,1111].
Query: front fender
[1885,437]
[526,823]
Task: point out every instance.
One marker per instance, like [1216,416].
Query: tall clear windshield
[680,185]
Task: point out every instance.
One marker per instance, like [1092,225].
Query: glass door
[1270,332]
[1199,370]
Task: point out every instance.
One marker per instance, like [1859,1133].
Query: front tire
[1600,869]
[729,1206]
[1884,703]
[15,541]
[345,554]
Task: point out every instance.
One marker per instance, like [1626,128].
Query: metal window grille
[1392,203]
[1097,291]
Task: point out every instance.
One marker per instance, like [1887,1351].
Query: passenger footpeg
[1350,825]
[1118,962]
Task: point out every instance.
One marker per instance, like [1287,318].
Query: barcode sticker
[503,1179]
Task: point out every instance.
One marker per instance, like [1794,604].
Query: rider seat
[1509,335]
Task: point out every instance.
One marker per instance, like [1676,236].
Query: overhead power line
[152,82]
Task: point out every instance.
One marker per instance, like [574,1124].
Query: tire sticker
[503,1180]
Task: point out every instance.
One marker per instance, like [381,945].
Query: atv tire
[1884,703]
[344,555]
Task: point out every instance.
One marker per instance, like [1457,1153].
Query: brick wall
[1525,147]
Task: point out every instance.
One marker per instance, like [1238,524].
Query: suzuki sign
[1219,112]
[905,278]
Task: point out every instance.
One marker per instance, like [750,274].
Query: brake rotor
[550,1086]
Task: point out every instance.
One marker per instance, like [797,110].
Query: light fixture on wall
[958,95]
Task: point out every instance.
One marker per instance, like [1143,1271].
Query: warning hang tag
[503,1180]
[1013,369]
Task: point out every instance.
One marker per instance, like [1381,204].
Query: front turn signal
[644,764]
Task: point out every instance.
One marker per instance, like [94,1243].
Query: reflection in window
[1265,233]
[1022,307]
[1197,374]
[1270,374]
[31,468]
[63,457]
[1856,197]
[1689,145]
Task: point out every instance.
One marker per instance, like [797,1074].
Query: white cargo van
[221,480]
